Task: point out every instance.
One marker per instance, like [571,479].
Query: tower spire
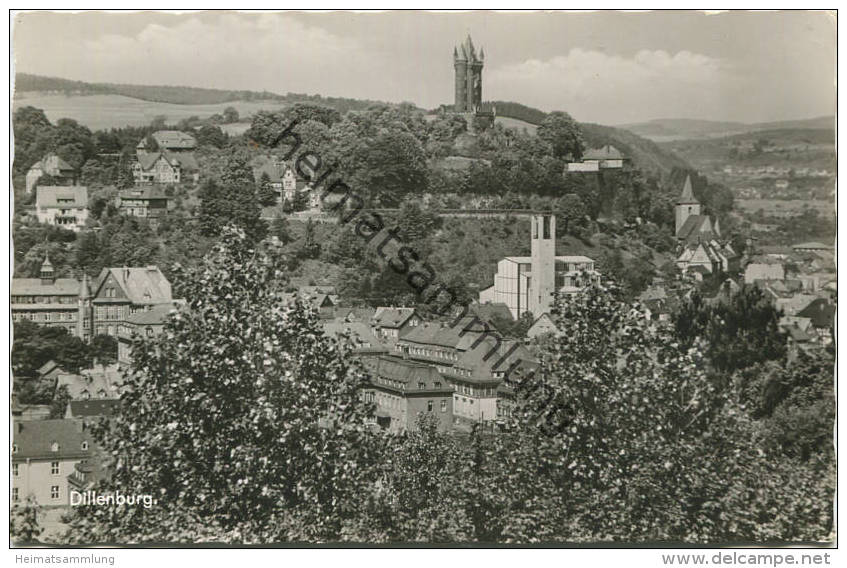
[687,193]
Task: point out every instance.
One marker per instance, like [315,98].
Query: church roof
[696,226]
[687,196]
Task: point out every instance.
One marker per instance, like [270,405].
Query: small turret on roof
[84,288]
[687,193]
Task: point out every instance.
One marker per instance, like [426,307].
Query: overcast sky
[609,67]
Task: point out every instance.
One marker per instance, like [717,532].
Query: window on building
[84,445]
[429,406]
[54,491]
[15,494]
[54,447]
[421,385]
[14,469]
[443,406]
[14,448]
[436,385]
[54,468]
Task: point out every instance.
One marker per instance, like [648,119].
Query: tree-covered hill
[645,154]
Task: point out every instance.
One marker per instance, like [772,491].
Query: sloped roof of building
[438,334]
[34,439]
[100,382]
[797,334]
[52,162]
[93,407]
[687,196]
[607,152]
[185,160]
[403,370]
[820,311]
[392,317]
[794,304]
[142,285]
[46,367]
[174,139]
[490,356]
[492,310]
[354,314]
[49,196]
[143,192]
[696,226]
[34,287]
[147,159]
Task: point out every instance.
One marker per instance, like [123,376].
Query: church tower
[687,205]
[468,66]
[543,263]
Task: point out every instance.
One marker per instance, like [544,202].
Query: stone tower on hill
[468,85]
[468,68]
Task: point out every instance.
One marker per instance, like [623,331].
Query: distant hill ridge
[667,129]
[24,82]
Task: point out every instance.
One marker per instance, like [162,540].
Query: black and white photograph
[423,279]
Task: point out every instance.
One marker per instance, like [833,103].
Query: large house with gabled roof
[123,292]
[171,161]
[63,206]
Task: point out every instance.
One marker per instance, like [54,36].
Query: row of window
[45,316]
[54,493]
[476,391]
[109,312]
[425,352]
[27,299]
[429,406]
[54,447]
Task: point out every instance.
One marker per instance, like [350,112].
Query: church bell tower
[543,263]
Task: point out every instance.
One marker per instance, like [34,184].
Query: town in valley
[508,325]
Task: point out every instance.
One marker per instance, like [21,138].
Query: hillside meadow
[99,112]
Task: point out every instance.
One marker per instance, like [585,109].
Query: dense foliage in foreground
[244,421]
